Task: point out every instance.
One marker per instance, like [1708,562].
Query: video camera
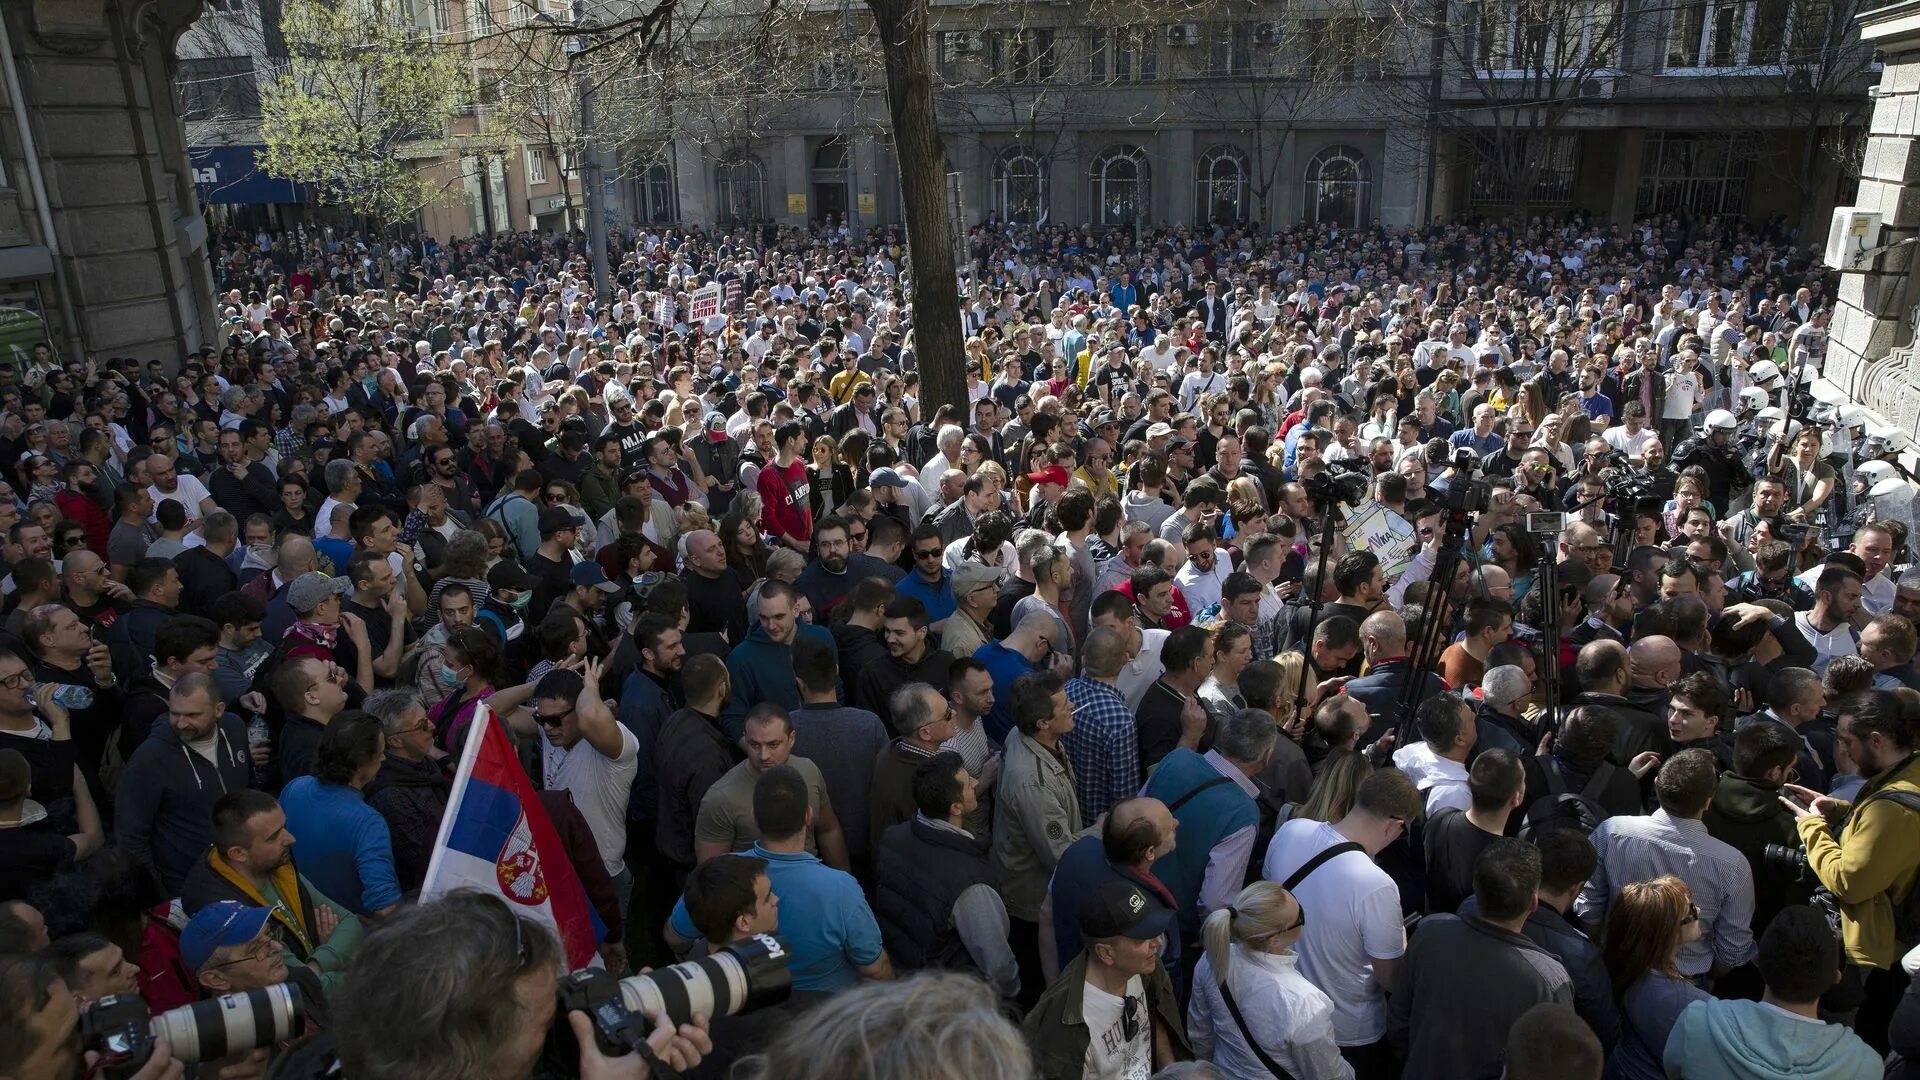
[738,978]
[120,1029]
[1341,483]
[1465,495]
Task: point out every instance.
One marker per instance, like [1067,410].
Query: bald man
[1136,832]
[297,556]
[166,482]
[95,597]
[1609,612]
[1383,640]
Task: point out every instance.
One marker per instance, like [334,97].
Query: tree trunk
[939,345]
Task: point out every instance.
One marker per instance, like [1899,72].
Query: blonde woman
[1333,790]
[1253,1015]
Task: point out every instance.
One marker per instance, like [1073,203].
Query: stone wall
[130,239]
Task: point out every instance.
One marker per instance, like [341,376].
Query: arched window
[1220,186]
[1339,187]
[657,204]
[742,185]
[1019,187]
[1118,186]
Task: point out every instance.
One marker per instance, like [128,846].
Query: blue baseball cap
[218,925]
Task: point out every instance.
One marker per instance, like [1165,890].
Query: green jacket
[1058,1034]
[599,490]
[1873,868]
[1746,815]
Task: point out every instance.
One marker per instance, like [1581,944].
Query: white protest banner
[1386,534]
[704,304]
[663,312]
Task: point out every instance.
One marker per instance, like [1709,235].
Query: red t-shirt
[786,494]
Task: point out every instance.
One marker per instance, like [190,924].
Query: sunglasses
[1692,916]
[1130,1017]
[931,553]
[553,721]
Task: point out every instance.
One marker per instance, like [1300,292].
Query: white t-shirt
[599,786]
[1353,911]
[1630,445]
[1682,396]
[188,491]
[1110,1054]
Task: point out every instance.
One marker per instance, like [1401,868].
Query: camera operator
[464,989]
[42,1021]
[731,899]
[1867,852]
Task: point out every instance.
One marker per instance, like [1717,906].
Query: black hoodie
[412,797]
[164,806]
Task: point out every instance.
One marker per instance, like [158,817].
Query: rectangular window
[1555,157]
[1230,49]
[1695,172]
[1546,37]
[570,164]
[480,17]
[1022,56]
[536,164]
[1720,34]
[1123,54]
[218,88]
[439,16]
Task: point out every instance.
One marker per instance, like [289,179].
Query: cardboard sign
[1386,534]
[663,312]
[733,295]
[704,304]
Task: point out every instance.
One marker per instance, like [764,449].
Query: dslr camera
[119,1028]
[1790,861]
[741,977]
[1466,495]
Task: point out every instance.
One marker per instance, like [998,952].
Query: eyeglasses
[553,721]
[1298,922]
[930,553]
[20,680]
[1693,915]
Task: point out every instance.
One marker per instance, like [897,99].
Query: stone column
[1630,146]
[1875,306]
[1399,176]
[864,178]
[1173,178]
[132,267]
[794,178]
[693,180]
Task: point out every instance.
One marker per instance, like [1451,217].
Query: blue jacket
[644,708]
[1379,691]
[1203,821]
[342,844]
[1005,665]
[761,669]
[1082,868]
[163,809]
[1747,1040]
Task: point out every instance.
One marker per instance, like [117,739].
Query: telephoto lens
[120,1030]
[741,977]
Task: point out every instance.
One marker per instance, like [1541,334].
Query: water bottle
[258,736]
[64,695]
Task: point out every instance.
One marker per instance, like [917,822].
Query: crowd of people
[1450,652]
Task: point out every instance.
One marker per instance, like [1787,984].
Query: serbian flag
[495,837]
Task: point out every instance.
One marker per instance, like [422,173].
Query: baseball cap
[1160,430]
[1101,418]
[1118,909]
[218,925]
[885,476]
[970,575]
[554,519]
[1052,474]
[507,574]
[589,573]
[312,588]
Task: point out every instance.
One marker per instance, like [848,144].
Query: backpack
[1563,809]
[498,513]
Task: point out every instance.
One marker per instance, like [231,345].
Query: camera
[741,977]
[119,1028]
[1790,861]
[1337,485]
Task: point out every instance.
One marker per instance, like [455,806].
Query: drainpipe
[37,184]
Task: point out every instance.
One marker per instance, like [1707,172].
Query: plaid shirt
[288,444]
[1104,747]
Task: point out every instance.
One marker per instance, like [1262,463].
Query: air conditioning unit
[1596,88]
[1800,82]
[975,41]
[1183,34]
[1267,33]
[1852,235]
[957,43]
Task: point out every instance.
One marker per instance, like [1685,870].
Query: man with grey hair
[343,486]
[949,440]
[1216,821]
[924,720]
[1498,723]
[410,791]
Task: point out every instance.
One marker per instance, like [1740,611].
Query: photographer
[464,989]
[41,1020]
[1867,852]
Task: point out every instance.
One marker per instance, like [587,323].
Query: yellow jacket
[1874,870]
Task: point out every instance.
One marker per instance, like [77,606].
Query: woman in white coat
[1284,1024]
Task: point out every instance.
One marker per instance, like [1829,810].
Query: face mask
[371,384]
[519,603]
[450,678]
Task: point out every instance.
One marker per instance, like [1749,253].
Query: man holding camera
[1867,852]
